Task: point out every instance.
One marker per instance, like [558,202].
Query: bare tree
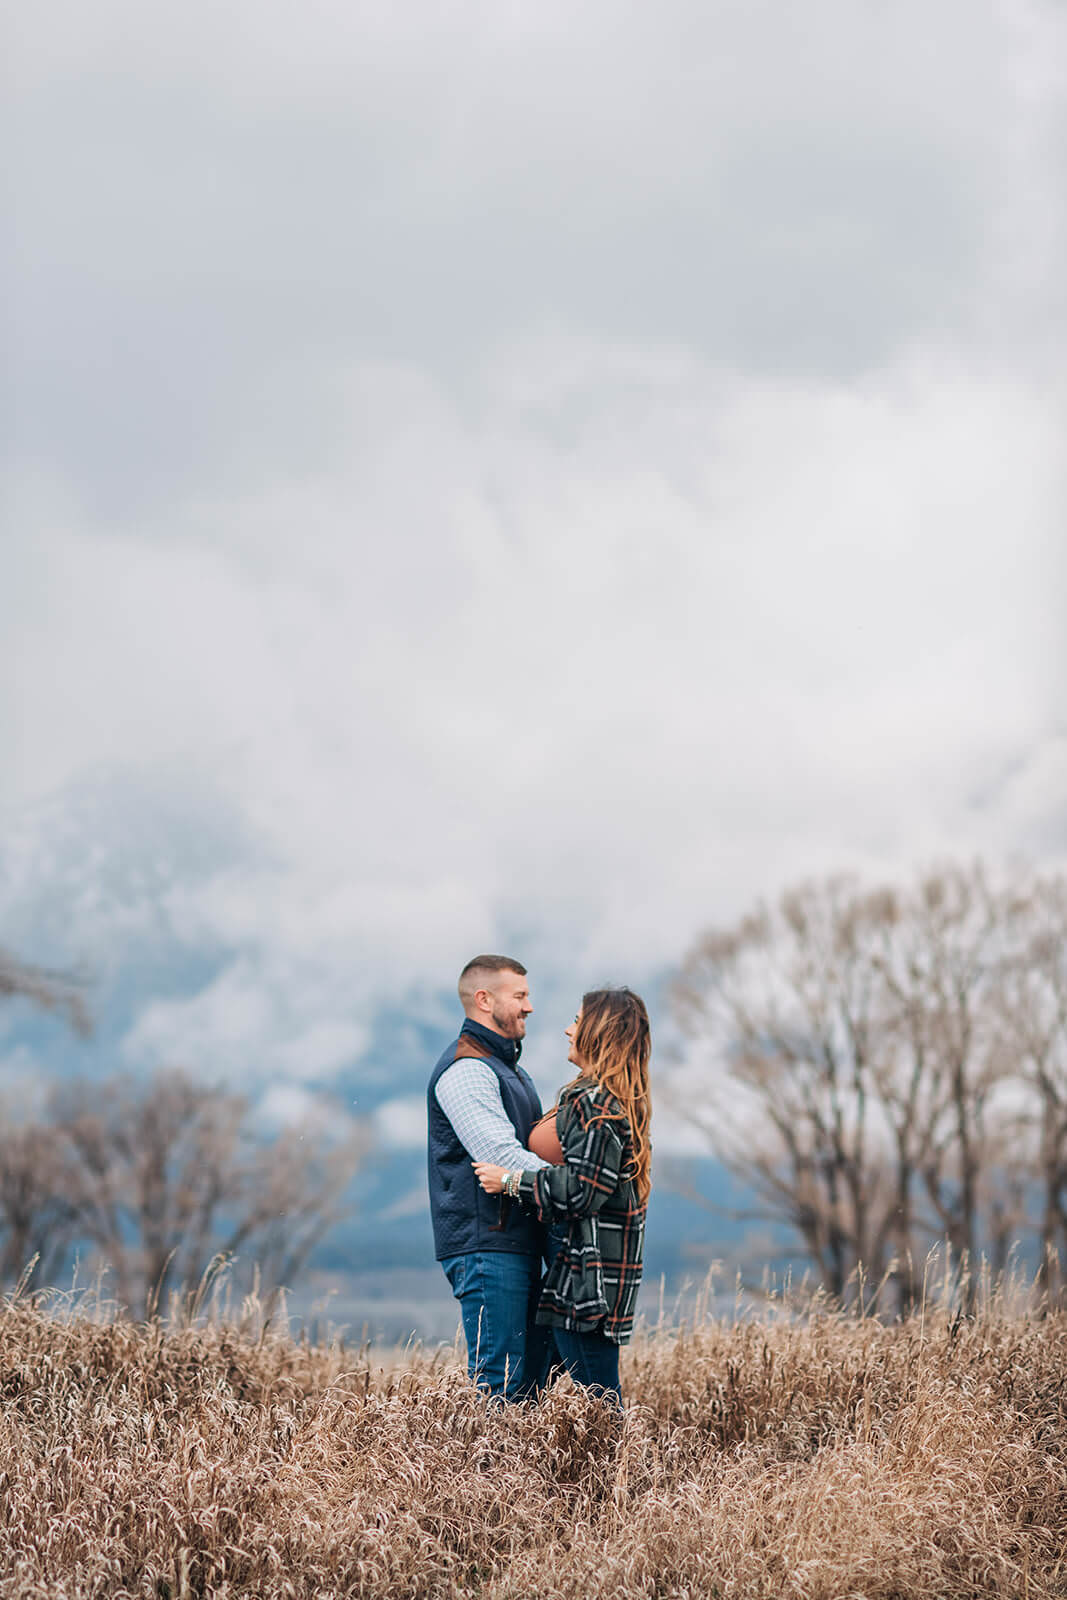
[849,1066]
[37,1218]
[297,1196]
[164,1175]
[1033,1013]
[52,991]
[782,1003]
[36,1215]
[962,929]
[159,1177]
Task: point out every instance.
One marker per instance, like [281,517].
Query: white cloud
[606,687]
[259,1018]
[288,1105]
[554,528]
[323,1049]
[220,210]
[401,1122]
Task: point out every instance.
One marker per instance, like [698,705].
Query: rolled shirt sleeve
[469,1095]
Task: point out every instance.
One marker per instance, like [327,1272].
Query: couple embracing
[539,1220]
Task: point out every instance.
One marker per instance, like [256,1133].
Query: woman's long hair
[613,1043]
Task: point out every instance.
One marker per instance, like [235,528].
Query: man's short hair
[469,978]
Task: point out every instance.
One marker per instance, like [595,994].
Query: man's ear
[483,999]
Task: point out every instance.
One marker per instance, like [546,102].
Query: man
[481,1106]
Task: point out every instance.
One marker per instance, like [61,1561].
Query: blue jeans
[591,1359]
[498,1291]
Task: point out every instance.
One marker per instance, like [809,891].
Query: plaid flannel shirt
[597,1272]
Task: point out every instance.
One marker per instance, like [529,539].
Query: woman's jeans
[507,1353]
[591,1358]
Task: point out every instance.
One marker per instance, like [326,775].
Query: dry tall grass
[820,1457]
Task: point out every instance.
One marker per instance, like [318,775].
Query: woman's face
[572,1054]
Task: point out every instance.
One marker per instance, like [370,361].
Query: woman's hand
[490,1177]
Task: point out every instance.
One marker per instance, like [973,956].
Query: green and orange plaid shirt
[596,1274]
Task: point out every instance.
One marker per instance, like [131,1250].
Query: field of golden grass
[821,1456]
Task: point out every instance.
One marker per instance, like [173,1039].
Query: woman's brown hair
[613,1043]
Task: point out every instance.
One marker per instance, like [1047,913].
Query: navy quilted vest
[465,1218]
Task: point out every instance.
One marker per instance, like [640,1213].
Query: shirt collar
[507,1050]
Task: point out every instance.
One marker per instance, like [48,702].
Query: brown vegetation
[157,1177]
[887,1068]
[818,1457]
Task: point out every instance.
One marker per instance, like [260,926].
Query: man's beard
[509,1029]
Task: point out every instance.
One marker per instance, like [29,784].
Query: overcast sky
[532,472]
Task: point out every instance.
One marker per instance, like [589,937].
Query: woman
[594,1202]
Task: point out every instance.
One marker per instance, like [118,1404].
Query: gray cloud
[220,210]
[537,474]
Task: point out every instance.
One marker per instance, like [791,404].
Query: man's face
[510,1000]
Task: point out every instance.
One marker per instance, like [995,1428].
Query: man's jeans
[498,1291]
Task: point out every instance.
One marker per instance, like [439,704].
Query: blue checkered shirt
[468,1093]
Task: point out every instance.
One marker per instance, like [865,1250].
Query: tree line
[887,1068]
[157,1177]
